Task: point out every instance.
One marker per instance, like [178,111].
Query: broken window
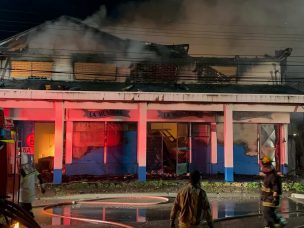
[28,69]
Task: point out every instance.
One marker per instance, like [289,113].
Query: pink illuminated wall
[92,134]
[87,134]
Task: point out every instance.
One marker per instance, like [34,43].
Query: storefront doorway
[177,148]
[269,142]
[36,139]
[103,148]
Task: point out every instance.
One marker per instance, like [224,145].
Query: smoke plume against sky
[232,27]
[210,27]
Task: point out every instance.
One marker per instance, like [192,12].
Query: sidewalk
[299,198]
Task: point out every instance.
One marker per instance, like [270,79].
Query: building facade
[119,107]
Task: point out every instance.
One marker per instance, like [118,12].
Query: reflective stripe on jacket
[272,183]
[192,204]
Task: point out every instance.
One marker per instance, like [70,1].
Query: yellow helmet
[266,160]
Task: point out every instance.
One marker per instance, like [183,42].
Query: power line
[20,22]
[277,26]
[158,30]
[184,77]
[19,11]
[239,47]
[144,52]
[216,36]
[153,59]
[165,31]
[130,60]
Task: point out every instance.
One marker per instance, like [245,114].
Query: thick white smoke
[210,26]
[214,27]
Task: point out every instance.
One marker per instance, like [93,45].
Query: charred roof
[148,87]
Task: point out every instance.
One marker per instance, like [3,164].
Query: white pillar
[142,141]
[69,142]
[228,143]
[190,143]
[59,131]
[105,144]
[283,148]
[213,145]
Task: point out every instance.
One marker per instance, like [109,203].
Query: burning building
[86,102]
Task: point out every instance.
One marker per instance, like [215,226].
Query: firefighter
[192,204]
[29,176]
[270,194]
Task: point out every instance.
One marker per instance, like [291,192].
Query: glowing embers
[16,225]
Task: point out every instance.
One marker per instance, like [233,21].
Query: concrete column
[67,212]
[69,142]
[228,143]
[59,131]
[56,220]
[283,148]
[105,144]
[214,209]
[142,141]
[104,214]
[213,156]
[141,215]
[190,147]
[7,113]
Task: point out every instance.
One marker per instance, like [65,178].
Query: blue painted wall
[129,159]
[90,164]
[219,167]
[200,155]
[243,164]
[121,159]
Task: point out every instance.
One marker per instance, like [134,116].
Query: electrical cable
[210,78]
[153,58]
[182,23]
[198,36]
[143,52]
[189,33]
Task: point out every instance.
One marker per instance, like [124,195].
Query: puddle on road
[140,215]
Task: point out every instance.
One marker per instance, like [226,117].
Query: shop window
[86,136]
[154,72]
[245,148]
[245,135]
[28,69]
[95,71]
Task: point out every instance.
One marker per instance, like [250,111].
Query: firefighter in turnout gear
[29,176]
[270,194]
[192,205]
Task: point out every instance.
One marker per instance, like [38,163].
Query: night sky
[210,27]
[19,15]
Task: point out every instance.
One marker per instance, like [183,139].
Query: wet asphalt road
[226,210]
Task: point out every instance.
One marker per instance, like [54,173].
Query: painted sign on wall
[30,140]
[105,113]
[27,150]
[187,116]
[101,115]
